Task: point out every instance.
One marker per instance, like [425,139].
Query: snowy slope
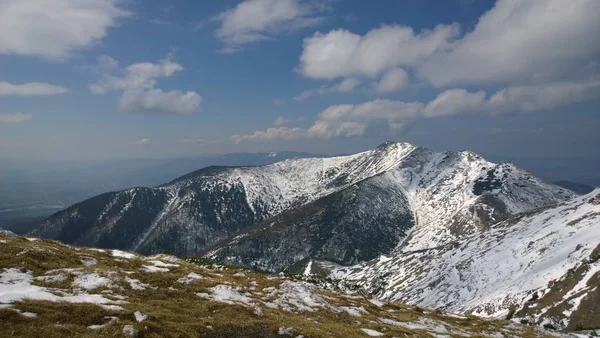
[427,199]
[497,272]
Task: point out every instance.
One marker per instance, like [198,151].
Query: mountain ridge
[197,210]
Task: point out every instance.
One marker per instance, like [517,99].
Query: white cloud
[143,141]
[455,102]
[156,100]
[345,120]
[15,118]
[514,43]
[282,120]
[283,133]
[513,99]
[519,41]
[30,89]
[386,116]
[138,85]
[345,86]
[312,92]
[55,28]
[394,80]
[354,120]
[141,75]
[341,53]
[259,20]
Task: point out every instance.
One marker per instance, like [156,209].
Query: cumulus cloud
[530,98]
[341,53]
[345,120]
[514,43]
[259,20]
[156,100]
[15,118]
[143,141]
[30,89]
[138,83]
[379,115]
[517,41]
[394,80]
[55,28]
[455,102]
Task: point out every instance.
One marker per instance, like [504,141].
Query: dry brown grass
[174,310]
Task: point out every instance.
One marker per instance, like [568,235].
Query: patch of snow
[29,314]
[299,296]
[162,264]
[285,331]
[258,311]
[152,268]
[190,278]
[136,284]
[226,294]
[122,254]
[16,286]
[376,302]
[91,281]
[308,268]
[372,333]
[140,317]
[353,311]
[52,278]
[111,307]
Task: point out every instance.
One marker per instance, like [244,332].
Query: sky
[111,79]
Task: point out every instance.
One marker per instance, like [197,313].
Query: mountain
[31,191]
[347,209]
[6,232]
[201,208]
[48,289]
[541,267]
[426,199]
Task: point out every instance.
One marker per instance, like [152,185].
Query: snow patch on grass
[91,281]
[190,278]
[140,317]
[226,294]
[16,285]
[372,333]
[122,254]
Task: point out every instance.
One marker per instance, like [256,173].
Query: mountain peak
[388,144]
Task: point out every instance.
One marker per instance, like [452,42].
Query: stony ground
[48,289]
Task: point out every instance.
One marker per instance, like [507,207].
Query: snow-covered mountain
[542,266]
[201,208]
[6,232]
[425,200]
[393,197]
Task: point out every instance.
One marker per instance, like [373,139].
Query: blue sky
[101,79]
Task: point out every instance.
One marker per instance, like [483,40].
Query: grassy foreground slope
[48,289]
